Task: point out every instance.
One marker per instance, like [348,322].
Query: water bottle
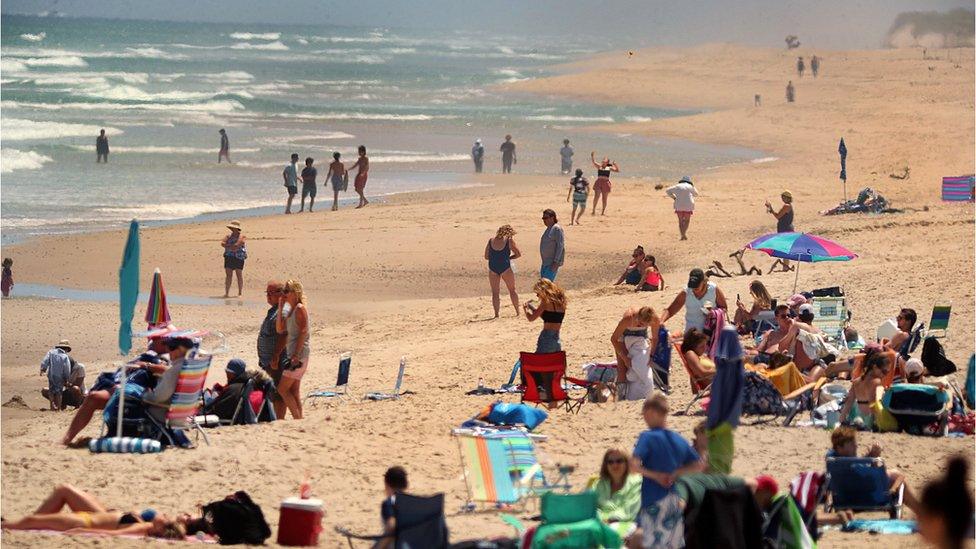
[481,383]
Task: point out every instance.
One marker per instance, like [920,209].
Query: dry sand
[407,278]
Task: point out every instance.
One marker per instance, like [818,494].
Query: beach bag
[237,519]
[934,358]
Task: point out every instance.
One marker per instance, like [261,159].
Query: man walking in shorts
[290,175]
[683,194]
[552,246]
[308,185]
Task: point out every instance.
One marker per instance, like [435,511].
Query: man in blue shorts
[290,175]
[308,184]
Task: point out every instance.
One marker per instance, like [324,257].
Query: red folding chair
[542,376]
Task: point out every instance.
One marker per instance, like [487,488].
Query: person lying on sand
[89,516]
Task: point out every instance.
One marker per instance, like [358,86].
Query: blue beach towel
[882,526]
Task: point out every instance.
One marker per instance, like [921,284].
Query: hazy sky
[819,23]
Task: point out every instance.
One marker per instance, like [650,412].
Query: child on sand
[661,455]
[394,483]
[579,188]
[7,281]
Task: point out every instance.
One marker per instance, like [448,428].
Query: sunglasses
[272,292]
[286,291]
[616,461]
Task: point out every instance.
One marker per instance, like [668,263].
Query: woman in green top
[618,492]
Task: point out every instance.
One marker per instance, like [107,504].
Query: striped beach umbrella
[803,247]
[157,313]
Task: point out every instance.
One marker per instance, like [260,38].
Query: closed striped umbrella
[157,313]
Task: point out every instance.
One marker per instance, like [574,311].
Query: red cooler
[300,521]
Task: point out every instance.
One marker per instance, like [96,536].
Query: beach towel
[882,526]
[958,189]
[815,346]
[187,539]
[504,413]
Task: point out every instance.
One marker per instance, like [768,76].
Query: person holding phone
[552,310]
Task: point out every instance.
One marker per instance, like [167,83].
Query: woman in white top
[693,299]
[683,194]
[634,340]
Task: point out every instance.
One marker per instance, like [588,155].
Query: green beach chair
[940,321]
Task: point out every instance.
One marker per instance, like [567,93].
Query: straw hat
[64,344]
[234,225]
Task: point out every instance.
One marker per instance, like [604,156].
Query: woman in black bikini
[88,515]
[500,251]
[552,309]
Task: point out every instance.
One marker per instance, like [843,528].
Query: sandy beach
[407,278]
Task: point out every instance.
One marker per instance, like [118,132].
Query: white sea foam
[57,53]
[507,72]
[178,210]
[764,159]
[218,106]
[124,92]
[302,41]
[260,165]
[9,65]
[12,159]
[638,118]
[55,61]
[228,76]
[34,37]
[255,35]
[557,118]
[271,46]
[18,129]
[151,149]
[412,159]
[292,139]
[367,116]
[506,50]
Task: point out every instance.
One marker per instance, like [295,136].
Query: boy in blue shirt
[661,455]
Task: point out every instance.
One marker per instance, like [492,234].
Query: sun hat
[234,225]
[65,345]
[685,179]
[236,366]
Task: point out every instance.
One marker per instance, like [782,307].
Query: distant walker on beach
[508,154]
[478,155]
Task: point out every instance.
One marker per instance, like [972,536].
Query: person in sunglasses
[272,357]
[632,273]
[618,492]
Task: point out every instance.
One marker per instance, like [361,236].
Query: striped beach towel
[805,488]
[958,189]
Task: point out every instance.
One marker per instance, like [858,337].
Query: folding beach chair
[185,402]
[830,316]
[419,523]
[542,380]
[570,520]
[396,394]
[700,387]
[340,389]
[861,484]
[501,467]
[243,413]
[939,325]
[914,338]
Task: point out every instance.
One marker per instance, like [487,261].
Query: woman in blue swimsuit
[500,251]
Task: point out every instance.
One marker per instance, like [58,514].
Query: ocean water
[161,91]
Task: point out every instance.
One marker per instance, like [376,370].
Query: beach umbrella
[157,313]
[803,247]
[842,149]
[725,401]
[128,287]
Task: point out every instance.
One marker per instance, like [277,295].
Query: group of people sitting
[642,272]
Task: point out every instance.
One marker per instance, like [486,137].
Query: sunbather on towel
[844,444]
[88,515]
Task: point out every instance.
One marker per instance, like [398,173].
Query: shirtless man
[809,366]
[363,163]
[770,341]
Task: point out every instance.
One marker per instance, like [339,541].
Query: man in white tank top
[693,298]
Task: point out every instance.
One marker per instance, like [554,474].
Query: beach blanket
[882,526]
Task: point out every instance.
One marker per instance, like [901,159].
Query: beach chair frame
[830,317]
[837,468]
[939,323]
[550,369]
[700,387]
[396,394]
[340,390]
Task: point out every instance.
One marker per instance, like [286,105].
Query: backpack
[237,519]
[934,358]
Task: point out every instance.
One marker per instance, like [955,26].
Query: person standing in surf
[508,154]
[601,187]
[337,177]
[309,189]
[478,155]
[224,147]
[566,158]
[101,148]
[290,175]
[363,164]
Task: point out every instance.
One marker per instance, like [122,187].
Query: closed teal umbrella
[128,288]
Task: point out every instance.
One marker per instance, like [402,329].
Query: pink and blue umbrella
[801,247]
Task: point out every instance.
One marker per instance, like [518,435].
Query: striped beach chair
[958,189]
[830,316]
[939,325]
[501,467]
[185,402]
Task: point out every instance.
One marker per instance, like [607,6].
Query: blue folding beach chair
[861,484]
[341,387]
